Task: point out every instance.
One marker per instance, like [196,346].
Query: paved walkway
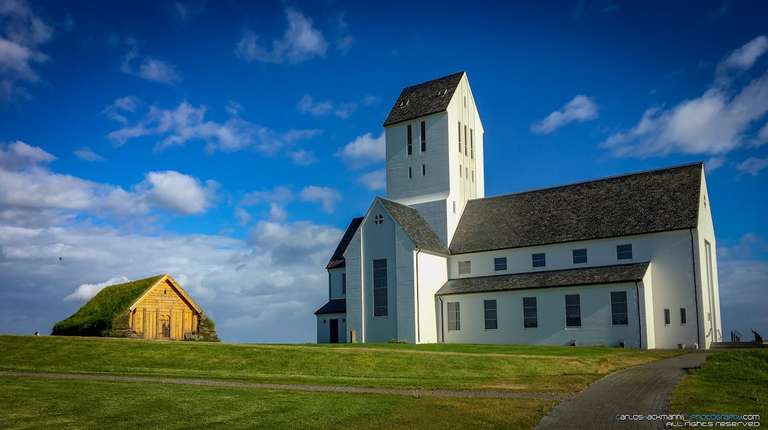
[637,390]
[292,387]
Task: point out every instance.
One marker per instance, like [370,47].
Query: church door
[334,330]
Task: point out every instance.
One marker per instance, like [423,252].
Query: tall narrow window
[465,267]
[490,314]
[580,256]
[410,140]
[460,171]
[539,259]
[459,136]
[344,283]
[666,316]
[711,316]
[423,136]
[454,316]
[682,316]
[472,143]
[465,139]
[500,264]
[380,287]
[572,310]
[423,170]
[530,318]
[454,206]
[624,252]
[619,307]
[410,173]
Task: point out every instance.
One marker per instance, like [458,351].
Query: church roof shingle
[546,279]
[424,99]
[334,306]
[415,226]
[646,202]
[337,259]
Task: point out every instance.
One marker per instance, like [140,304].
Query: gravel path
[637,390]
[292,387]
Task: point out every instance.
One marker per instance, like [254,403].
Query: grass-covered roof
[97,317]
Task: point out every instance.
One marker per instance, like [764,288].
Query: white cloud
[302,157]
[308,104]
[580,109]
[275,198]
[745,57]
[87,154]
[22,33]
[178,192]
[344,39]
[743,277]
[85,291]
[286,241]
[18,155]
[714,123]
[120,107]
[753,165]
[187,122]
[300,42]
[714,163]
[327,197]
[376,180]
[148,68]
[363,151]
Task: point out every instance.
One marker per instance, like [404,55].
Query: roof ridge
[434,80]
[589,181]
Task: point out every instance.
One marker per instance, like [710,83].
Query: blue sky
[229,143]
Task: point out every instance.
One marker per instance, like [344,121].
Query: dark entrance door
[334,331]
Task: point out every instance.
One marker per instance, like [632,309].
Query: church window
[460,168]
[572,310]
[378,219]
[410,140]
[423,170]
[491,317]
[454,316]
[343,283]
[666,316]
[423,136]
[471,143]
[539,260]
[619,307]
[454,206]
[500,264]
[465,139]
[459,136]
[682,316]
[580,256]
[465,267]
[410,173]
[380,287]
[530,319]
[624,252]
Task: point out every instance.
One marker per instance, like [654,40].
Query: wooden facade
[164,311]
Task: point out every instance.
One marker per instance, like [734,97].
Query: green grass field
[732,381]
[44,403]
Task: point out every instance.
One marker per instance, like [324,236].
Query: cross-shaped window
[378,219]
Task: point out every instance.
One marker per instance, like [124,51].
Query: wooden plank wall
[163,300]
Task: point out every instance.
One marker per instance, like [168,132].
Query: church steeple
[434,140]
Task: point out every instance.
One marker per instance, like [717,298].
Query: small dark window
[682,316]
[460,171]
[666,316]
[572,310]
[459,136]
[454,316]
[490,314]
[530,318]
[344,283]
[423,136]
[624,252]
[410,140]
[471,144]
[454,206]
[380,287]
[378,219]
[579,256]
[539,260]
[410,173]
[619,307]
[465,267]
[423,170]
[500,263]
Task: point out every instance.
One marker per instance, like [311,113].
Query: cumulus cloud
[363,151]
[22,33]
[275,199]
[178,192]
[147,67]
[87,154]
[85,292]
[18,155]
[580,109]
[745,57]
[376,180]
[327,197]
[300,42]
[122,106]
[187,122]
[753,165]
[308,104]
[302,157]
[286,241]
[714,123]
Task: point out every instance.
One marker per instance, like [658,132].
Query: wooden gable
[164,311]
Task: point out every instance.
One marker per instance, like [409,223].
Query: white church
[624,261]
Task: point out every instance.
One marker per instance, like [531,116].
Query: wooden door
[165,326]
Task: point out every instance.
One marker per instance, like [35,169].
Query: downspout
[442,320]
[418,319]
[639,321]
[695,290]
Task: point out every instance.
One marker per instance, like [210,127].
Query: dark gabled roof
[415,226]
[424,99]
[97,315]
[647,202]
[547,279]
[337,260]
[334,306]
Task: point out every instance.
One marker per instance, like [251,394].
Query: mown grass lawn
[46,403]
[464,367]
[729,382]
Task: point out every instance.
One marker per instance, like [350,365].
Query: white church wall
[432,275]
[646,310]
[596,320]
[707,277]
[406,306]
[353,257]
[379,242]
[335,287]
